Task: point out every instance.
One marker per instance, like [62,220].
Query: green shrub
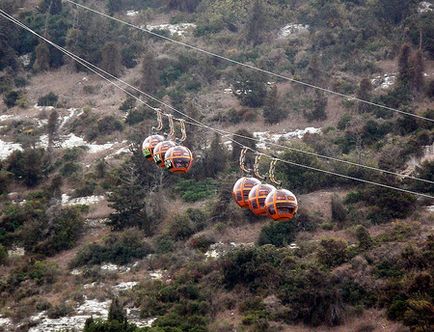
[3,255]
[193,191]
[365,240]
[48,100]
[11,98]
[181,228]
[332,252]
[117,248]
[278,234]
[41,272]
[109,124]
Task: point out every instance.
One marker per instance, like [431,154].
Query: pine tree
[256,23]
[417,69]
[128,201]
[364,92]
[52,127]
[111,60]
[272,111]
[150,78]
[404,65]
[236,148]
[215,157]
[42,61]
[117,311]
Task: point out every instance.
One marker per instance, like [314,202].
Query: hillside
[94,237]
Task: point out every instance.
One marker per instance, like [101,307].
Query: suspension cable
[264,71]
[197,123]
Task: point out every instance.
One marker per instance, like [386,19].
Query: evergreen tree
[111,60]
[42,61]
[236,148]
[215,157]
[272,111]
[117,311]
[417,68]
[364,92]
[128,201]
[365,240]
[52,127]
[150,78]
[256,23]
[404,68]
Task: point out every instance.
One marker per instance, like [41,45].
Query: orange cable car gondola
[242,189]
[178,159]
[281,205]
[160,151]
[149,144]
[257,197]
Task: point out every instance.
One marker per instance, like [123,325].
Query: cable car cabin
[241,190]
[281,205]
[178,159]
[257,197]
[149,144]
[160,151]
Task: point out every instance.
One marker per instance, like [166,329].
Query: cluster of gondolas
[167,153]
[264,199]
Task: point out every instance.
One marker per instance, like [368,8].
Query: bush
[365,240]
[332,252]
[27,166]
[339,212]
[50,99]
[11,98]
[109,124]
[117,248]
[41,272]
[193,191]
[278,234]
[3,255]
[181,228]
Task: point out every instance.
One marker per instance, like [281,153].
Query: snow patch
[425,7]
[73,141]
[7,148]
[265,136]
[88,200]
[43,108]
[25,59]
[123,286]
[293,29]
[384,81]
[180,28]
[5,117]
[219,249]
[156,275]
[17,252]
[132,12]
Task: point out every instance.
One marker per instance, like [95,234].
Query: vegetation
[352,247]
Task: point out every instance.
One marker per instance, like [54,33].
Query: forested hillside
[94,237]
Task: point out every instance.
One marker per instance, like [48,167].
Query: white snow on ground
[72,141]
[156,275]
[180,28]
[384,81]
[293,29]
[5,117]
[123,286]
[219,249]
[425,7]
[5,322]
[71,113]
[7,148]
[25,59]
[132,13]
[88,200]
[17,252]
[265,136]
[430,208]
[87,309]
[43,108]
